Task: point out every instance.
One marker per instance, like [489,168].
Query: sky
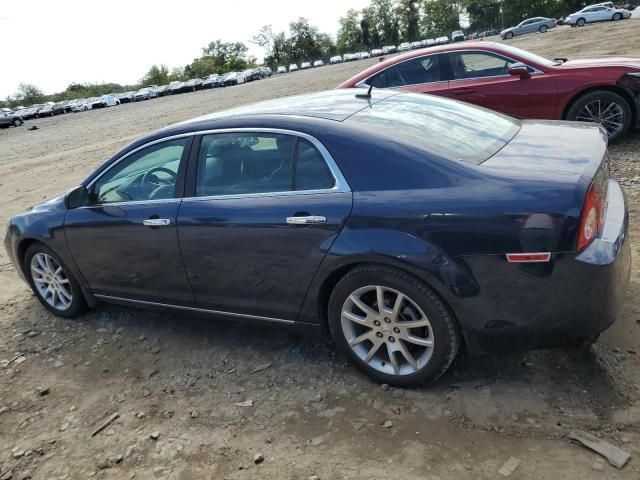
[64,41]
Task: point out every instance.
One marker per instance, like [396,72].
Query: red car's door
[482,78]
[422,74]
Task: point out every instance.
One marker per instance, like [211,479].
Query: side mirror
[77,197]
[519,69]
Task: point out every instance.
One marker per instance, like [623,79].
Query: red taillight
[592,219]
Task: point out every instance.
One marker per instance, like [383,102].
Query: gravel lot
[307,413]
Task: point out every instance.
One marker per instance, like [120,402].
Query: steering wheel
[159,184]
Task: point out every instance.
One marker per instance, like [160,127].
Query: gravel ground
[189,405]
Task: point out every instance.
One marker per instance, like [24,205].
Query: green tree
[304,40]
[28,94]
[408,16]
[350,36]
[440,17]
[157,75]
[385,22]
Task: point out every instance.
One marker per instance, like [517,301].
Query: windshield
[529,56]
[447,128]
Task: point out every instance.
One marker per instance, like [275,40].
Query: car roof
[329,105]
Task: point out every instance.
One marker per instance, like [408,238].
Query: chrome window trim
[340,183]
[364,84]
[193,309]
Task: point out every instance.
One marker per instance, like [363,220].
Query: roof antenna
[365,95]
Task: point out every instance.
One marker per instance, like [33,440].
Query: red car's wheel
[606,108]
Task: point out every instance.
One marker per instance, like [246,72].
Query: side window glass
[149,174]
[312,172]
[478,64]
[241,163]
[414,72]
[380,80]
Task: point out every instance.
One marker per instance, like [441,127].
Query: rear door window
[411,72]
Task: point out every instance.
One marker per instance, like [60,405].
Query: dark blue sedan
[406,226]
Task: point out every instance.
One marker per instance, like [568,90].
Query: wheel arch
[607,88]
[331,279]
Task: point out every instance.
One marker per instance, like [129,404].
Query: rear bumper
[572,298]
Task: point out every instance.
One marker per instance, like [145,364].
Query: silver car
[530,25]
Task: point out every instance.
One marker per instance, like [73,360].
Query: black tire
[17,122]
[616,17]
[78,304]
[543,29]
[605,96]
[446,336]
[581,22]
[508,35]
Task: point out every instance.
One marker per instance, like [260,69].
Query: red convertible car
[518,83]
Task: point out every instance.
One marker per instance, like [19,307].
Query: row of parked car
[9,117]
[376,52]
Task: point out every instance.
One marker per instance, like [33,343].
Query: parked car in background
[281,69]
[81,105]
[596,13]
[530,25]
[442,40]
[10,119]
[363,55]
[51,109]
[265,72]
[376,52]
[415,45]
[176,87]
[457,36]
[431,42]
[335,59]
[126,97]
[349,57]
[6,111]
[142,94]
[104,101]
[402,233]
[211,81]
[518,83]
[193,84]
[233,78]
[163,90]
[389,49]
[305,65]
[293,67]
[404,47]
[318,63]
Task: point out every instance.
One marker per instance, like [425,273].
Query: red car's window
[411,72]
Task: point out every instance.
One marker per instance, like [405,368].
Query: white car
[597,13]
[442,40]
[281,69]
[293,67]
[415,45]
[318,63]
[305,65]
[431,42]
[389,49]
[347,57]
[336,59]
[404,46]
[363,55]
[81,105]
[376,52]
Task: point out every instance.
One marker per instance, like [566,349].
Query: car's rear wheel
[606,108]
[581,22]
[543,28]
[617,16]
[392,326]
[17,122]
[52,282]
[508,35]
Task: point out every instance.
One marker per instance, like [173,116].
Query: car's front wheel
[392,326]
[581,22]
[17,122]
[606,108]
[616,17]
[52,282]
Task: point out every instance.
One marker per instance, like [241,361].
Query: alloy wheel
[51,281]
[387,330]
[609,114]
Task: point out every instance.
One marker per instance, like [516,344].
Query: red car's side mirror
[519,69]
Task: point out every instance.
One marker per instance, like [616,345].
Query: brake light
[592,219]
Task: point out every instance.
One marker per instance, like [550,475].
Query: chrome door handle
[156,222]
[309,220]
